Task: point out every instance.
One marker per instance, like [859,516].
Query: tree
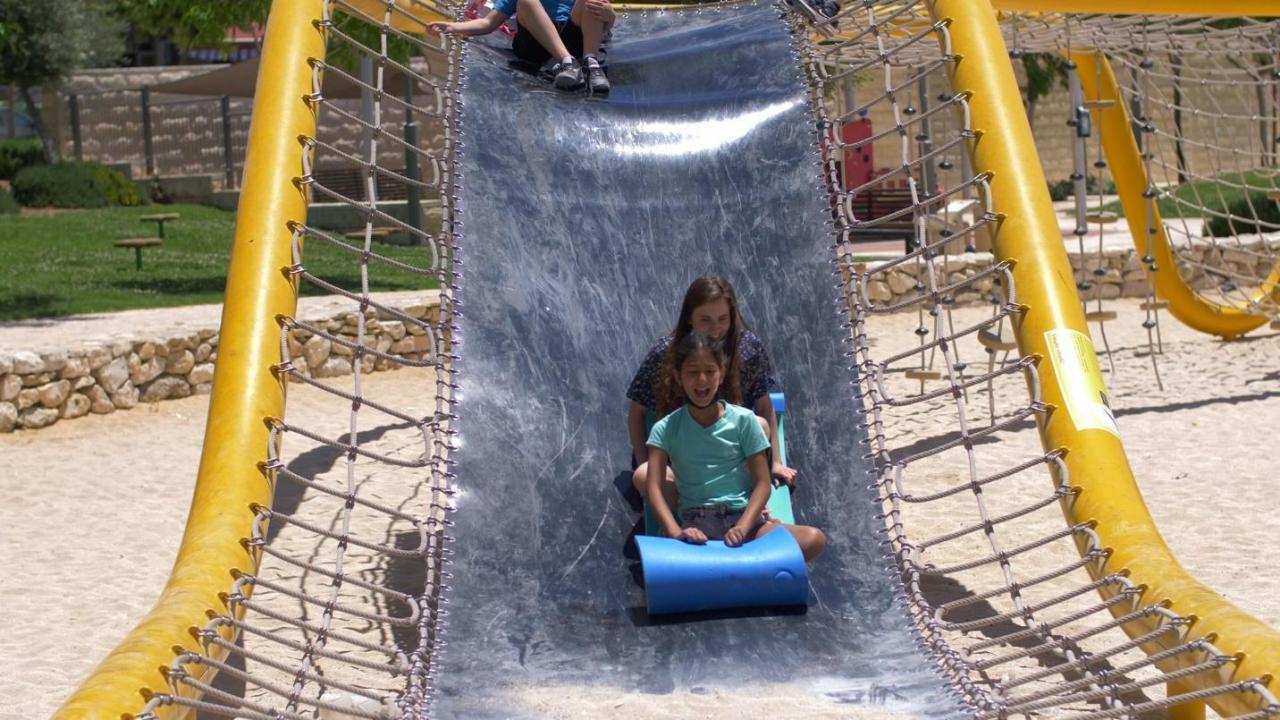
[1043,71]
[43,41]
[191,23]
[204,23]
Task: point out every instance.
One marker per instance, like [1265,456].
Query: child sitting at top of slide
[559,30]
[717,451]
[710,308]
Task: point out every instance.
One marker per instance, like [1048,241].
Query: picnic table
[159,219]
[137,244]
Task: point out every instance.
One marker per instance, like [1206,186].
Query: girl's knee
[811,540]
[764,425]
[640,477]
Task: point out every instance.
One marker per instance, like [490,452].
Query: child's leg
[811,540]
[592,28]
[640,479]
[531,16]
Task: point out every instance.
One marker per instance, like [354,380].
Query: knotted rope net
[344,612]
[1022,620]
[1203,97]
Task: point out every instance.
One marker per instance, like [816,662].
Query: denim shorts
[713,520]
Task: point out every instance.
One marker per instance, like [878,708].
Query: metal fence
[161,135]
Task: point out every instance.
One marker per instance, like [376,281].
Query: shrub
[120,189]
[17,154]
[1065,189]
[1243,221]
[8,206]
[74,185]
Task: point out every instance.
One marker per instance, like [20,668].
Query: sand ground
[92,510]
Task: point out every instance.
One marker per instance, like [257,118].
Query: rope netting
[344,612]
[1203,96]
[1022,620]
[346,609]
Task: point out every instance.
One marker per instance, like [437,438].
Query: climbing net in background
[1203,97]
[344,612]
[1022,620]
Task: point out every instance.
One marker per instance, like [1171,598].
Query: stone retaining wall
[1122,273]
[39,389]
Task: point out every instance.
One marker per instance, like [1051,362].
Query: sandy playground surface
[91,511]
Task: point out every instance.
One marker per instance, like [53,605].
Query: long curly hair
[705,289]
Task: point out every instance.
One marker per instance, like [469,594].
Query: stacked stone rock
[39,389]
[1123,274]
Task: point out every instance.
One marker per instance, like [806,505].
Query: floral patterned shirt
[755,378]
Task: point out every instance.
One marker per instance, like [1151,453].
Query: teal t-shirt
[710,463]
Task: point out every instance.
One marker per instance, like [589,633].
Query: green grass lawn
[65,264]
[1210,195]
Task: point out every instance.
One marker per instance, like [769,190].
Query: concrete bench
[137,244]
[159,219]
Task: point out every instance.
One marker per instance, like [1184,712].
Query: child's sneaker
[596,79]
[568,75]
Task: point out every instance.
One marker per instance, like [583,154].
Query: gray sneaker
[568,75]
[596,79]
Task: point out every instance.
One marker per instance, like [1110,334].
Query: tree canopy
[41,43]
[191,23]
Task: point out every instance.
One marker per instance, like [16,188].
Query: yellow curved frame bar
[1109,496]
[1125,160]
[246,392]
[412,17]
[1218,8]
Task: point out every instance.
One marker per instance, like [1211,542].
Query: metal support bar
[148,149]
[228,158]
[411,170]
[73,108]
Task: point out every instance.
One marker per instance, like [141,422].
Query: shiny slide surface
[582,223]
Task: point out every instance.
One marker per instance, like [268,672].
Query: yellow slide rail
[246,392]
[1071,383]
[1217,8]
[1098,82]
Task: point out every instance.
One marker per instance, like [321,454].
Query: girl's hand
[440,28]
[735,536]
[693,536]
[785,474]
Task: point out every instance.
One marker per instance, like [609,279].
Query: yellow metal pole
[409,16]
[1219,8]
[1125,161]
[245,391]
[1053,327]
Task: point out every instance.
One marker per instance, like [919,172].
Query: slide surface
[582,223]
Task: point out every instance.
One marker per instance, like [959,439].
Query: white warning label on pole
[1075,362]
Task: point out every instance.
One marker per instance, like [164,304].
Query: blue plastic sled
[769,571]
[679,577]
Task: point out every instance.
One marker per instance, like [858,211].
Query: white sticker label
[1075,362]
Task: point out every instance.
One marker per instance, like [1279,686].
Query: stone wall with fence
[109,116]
[1114,273]
[40,389]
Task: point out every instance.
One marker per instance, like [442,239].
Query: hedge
[74,185]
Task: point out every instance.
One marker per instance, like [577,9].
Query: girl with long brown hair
[710,308]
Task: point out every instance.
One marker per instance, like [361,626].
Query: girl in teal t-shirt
[717,451]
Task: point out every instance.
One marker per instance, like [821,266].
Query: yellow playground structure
[414,578]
